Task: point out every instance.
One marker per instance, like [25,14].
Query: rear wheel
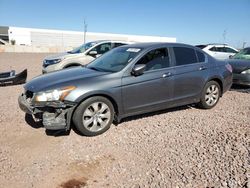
[94,116]
[210,95]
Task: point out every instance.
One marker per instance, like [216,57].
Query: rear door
[191,72]
[154,88]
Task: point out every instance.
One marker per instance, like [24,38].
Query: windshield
[243,54]
[114,60]
[82,48]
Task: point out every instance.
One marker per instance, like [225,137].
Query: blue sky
[190,21]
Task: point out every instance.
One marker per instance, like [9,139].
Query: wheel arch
[71,64]
[219,81]
[101,94]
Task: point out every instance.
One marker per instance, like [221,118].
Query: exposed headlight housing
[246,71]
[53,95]
[51,62]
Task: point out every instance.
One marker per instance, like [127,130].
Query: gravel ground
[181,147]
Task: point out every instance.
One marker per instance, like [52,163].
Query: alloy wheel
[96,116]
[212,95]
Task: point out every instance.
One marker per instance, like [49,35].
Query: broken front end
[48,107]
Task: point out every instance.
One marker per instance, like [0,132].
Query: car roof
[102,41]
[156,44]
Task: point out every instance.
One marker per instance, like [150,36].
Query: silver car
[81,55]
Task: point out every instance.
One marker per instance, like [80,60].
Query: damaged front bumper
[54,115]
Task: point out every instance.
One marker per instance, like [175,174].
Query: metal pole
[85,31]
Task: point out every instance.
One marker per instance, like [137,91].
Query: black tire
[205,96]
[86,113]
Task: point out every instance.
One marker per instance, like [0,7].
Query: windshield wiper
[99,69]
[93,68]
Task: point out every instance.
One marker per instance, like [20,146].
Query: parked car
[81,55]
[219,51]
[241,67]
[128,80]
[242,54]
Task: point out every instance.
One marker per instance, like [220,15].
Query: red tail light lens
[229,67]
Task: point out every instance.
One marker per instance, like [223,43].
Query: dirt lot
[182,147]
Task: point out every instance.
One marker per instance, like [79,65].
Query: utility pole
[85,31]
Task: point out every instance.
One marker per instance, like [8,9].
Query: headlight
[246,71]
[53,95]
[51,62]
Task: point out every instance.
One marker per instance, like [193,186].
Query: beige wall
[34,49]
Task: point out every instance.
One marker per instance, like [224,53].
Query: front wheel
[94,116]
[210,95]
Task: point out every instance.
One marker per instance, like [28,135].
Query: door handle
[202,68]
[166,74]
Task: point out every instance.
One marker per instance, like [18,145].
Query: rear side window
[201,56]
[184,56]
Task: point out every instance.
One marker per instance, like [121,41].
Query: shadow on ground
[132,118]
[38,124]
[57,133]
[240,88]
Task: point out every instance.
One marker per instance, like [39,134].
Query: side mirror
[93,53]
[231,56]
[138,69]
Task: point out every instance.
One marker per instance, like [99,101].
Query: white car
[81,55]
[219,51]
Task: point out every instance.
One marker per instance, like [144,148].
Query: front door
[151,90]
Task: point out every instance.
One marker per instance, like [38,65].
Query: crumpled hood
[62,78]
[239,65]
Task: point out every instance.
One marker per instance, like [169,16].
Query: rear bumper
[241,79]
[53,117]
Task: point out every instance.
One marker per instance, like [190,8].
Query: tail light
[229,67]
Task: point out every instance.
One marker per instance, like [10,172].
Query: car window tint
[201,46]
[184,56]
[230,50]
[220,49]
[201,56]
[155,59]
[102,48]
[213,49]
[116,44]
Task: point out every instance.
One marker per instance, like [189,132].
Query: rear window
[184,56]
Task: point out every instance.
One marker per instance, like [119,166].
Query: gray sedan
[128,80]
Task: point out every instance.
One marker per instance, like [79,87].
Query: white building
[46,37]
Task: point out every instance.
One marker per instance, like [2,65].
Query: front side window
[184,56]
[230,50]
[114,60]
[155,59]
[82,48]
[102,48]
